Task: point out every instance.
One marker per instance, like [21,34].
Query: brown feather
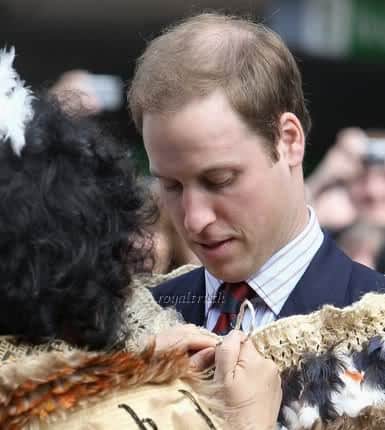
[52,383]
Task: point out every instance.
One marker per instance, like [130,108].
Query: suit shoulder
[367,279]
[180,284]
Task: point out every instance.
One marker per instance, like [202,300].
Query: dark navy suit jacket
[331,278]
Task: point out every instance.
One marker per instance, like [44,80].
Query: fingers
[203,359]
[236,356]
[265,370]
[227,356]
[195,342]
[186,338]
[352,140]
[249,356]
[250,384]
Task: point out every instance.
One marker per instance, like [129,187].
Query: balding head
[249,62]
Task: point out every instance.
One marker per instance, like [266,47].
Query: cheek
[172,204]
[259,210]
[242,209]
[255,196]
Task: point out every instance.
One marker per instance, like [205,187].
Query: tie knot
[232,295]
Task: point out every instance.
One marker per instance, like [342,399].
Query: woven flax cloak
[57,387]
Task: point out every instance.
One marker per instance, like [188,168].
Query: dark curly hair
[71,231]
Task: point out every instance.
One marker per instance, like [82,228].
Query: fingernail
[246,338]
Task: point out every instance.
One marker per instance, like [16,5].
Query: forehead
[213,114]
[204,132]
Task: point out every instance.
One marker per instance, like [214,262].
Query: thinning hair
[246,60]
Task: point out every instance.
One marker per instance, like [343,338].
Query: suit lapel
[324,282]
[191,304]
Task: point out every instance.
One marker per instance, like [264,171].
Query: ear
[291,145]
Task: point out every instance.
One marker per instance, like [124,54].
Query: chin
[228,273]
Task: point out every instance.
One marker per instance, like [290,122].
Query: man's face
[226,196]
[368,194]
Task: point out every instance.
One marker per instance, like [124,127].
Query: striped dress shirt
[275,280]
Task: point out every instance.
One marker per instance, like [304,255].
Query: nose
[198,211]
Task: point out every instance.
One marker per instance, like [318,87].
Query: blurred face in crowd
[233,205]
[368,194]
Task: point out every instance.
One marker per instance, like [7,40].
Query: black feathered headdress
[71,220]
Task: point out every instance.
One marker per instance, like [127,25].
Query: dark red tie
[229,300]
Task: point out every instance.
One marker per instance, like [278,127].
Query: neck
[296,220]
[299,214]
[299,222]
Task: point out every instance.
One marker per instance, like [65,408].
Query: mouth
[215,248]
[214,244]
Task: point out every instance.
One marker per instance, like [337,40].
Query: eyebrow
[211,170]
[218,169]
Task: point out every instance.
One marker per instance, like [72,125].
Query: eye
[219,180]
[169,185]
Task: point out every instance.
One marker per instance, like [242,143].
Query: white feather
[15,103]
[291,414]
[354,396]
[308,416]
[350,399]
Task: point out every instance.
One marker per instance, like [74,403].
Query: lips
[215,250]
[212,245]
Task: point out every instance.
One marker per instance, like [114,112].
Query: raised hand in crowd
[327,187]
[341,163]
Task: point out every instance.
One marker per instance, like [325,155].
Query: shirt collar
[277,278]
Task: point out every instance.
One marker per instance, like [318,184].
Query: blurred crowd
[347,191]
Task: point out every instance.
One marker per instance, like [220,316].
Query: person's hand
[75,94]
[251,384]
[200,344]
[328,201]
[342,163]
